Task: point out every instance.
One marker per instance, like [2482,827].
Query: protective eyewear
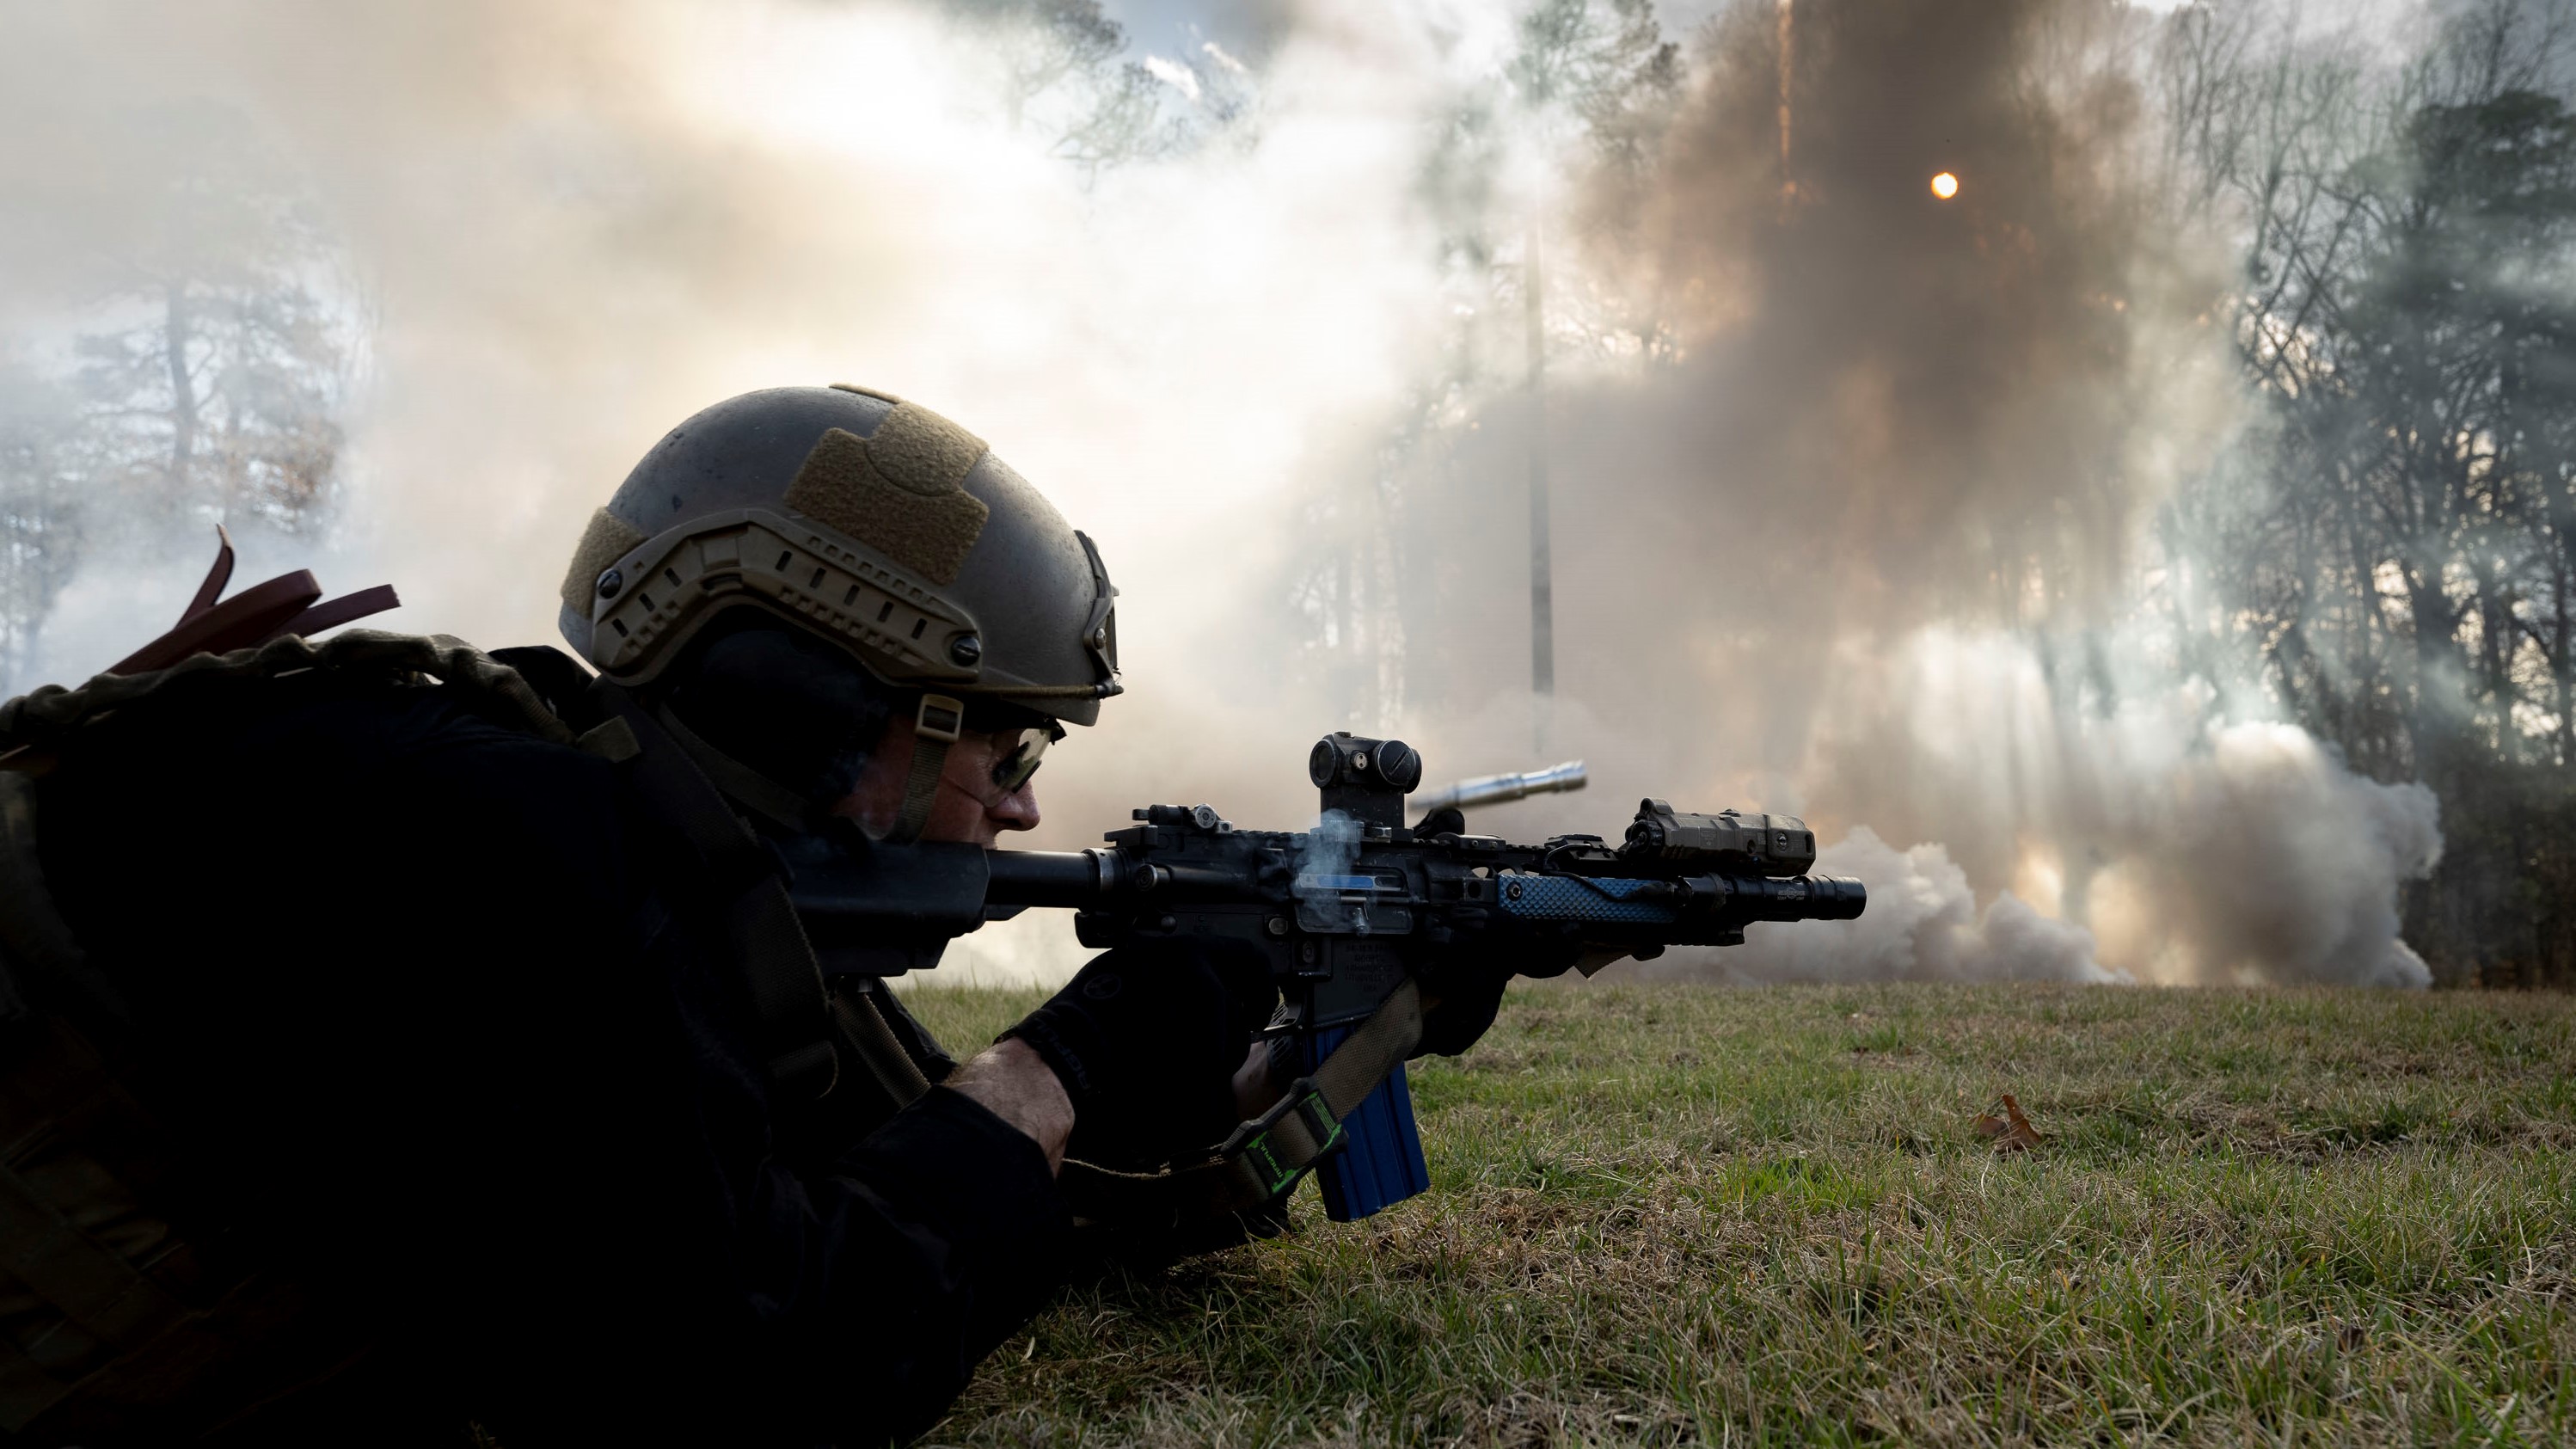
[1017,754]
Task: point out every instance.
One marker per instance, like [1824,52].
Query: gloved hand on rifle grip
[1464,986]
[1146,1040]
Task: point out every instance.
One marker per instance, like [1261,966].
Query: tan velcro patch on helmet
[900,492]
[918,449]
[607,540]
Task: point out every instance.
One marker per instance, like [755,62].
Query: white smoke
[2257,859]
[577,222]
[2148,840]
[1923,924]
[2262,859]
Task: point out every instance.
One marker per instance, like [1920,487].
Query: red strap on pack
[288,604]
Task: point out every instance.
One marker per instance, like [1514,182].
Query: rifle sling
[777,961]
[1362,1062]
[854,1007]
[784,807]
[863,1026]
[1266,1157]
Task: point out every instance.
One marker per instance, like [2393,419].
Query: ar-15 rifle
[1349,916]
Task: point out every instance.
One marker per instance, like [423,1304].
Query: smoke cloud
[2255,859]
[1854,534]
[1874,537]
[1923,924]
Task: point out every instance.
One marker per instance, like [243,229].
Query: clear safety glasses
[1017,754]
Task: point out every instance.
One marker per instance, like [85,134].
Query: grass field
[1666,1214]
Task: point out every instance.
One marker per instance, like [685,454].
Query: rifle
[1349,916]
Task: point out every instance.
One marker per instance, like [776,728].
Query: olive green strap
[935,726]
[776,960]
[784,807]
[1364,1059]
[1267,1155]
[854,1007]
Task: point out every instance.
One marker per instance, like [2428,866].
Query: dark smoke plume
[1870,548]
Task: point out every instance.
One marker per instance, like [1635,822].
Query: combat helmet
[867,521]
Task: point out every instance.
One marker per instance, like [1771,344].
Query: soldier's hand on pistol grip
[1463,989]
[1147,1040]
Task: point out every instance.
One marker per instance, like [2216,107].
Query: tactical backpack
[115,1325]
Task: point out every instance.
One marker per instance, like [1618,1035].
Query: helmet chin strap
[935,726]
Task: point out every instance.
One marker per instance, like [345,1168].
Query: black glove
[1465,982]
[1146,1040]
[1464,1007]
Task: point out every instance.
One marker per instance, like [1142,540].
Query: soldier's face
[971,805]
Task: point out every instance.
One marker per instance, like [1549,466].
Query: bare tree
[212,348]
[1595,86]
[1061,71]
[216,373]
[1584,99]
[44,469]
[2392,547]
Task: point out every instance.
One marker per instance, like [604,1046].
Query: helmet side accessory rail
[662,592]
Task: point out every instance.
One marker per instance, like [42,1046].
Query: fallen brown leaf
[2010,1132]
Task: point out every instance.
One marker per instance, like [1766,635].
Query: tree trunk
[2433,625]
[183,390]
[2562,682]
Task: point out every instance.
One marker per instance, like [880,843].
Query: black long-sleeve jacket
[431,1000]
